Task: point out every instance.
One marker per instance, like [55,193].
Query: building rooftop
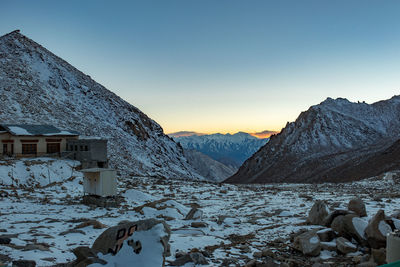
[34,130]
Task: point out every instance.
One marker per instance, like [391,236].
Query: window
[53,148]
[4,148]
[29,148]
[81,148]
[12,148]
[76,148]
[86,148]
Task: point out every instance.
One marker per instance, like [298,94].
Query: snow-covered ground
[47,221]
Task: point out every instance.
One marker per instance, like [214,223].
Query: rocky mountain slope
[329,142]
[209,168]
[230,149]
[38,87]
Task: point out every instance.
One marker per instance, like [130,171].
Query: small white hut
[100,182]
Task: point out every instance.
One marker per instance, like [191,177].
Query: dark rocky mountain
[37,87]
[334,141]
[209,168]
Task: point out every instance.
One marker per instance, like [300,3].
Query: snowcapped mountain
[38,87]
[323,140]
[184,133]
[229,149]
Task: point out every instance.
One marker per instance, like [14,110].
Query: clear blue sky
[223,65]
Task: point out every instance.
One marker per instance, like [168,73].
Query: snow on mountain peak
[37,87]
[335,129]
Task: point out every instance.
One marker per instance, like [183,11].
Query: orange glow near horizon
[260,135]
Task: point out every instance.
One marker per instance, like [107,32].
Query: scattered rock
[396,214]
[72,231]
[367,264]
[257,254]
[379,255]
[330,246]
[267,253]
[358,206]
[338,225]
[96,224]
[41,247]
[194,214]
[4,240]
[198,224]
[221,219]
[373,233]
[318,213]
[86,256]
[331,217]
[196,257]
[251,263]
[355,228]
[23,263]
[308,243]
[326,235]
[345,246]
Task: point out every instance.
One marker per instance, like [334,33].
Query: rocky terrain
[330,142]
[229,149]
[205,223]
[37,87]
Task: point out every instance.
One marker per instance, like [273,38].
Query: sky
[222,65]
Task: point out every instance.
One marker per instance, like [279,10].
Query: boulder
[329,219]
[326,235]
[379,255]
[23,263]
[198,224]
[345,246]
[86,256]
[358,206]
[196,257]
[4,240]
[376,230]
[338,225]
[330,246]
[354,227]
[308,243]
[144,242]
[194,214]
[318,213]
[396,214]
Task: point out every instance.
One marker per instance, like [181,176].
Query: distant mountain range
[230,149]
[334,141]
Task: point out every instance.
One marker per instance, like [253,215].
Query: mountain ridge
[322,138]
[37,87]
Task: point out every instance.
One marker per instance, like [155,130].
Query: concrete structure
[100,182]
[27,140]
[393,247]
[91,152]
